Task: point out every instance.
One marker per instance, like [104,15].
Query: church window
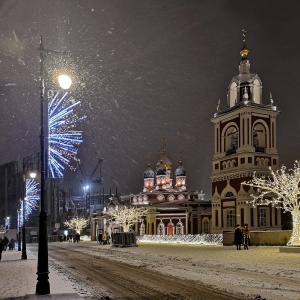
[230,218]
[259,138]
[171,198]
[180,197]
[160,197]
[231,140]
[161,228]
[142,228]
[179,228]
[229,194]
[206,226]
[256,91]
[262,217]
[233,94]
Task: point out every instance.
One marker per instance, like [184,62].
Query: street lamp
[43,285]
[32,175]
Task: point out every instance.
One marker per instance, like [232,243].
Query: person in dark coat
[238,236]
[77,237]
[5,242]
[1,248]
[100,238]
[11,245]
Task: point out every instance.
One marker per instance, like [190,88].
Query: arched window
[256,91]
[259,138]
[205,226]
[229,195]
[142,228]
[179,227]
[231,140]
[233,94]
[161,228]
[170,228]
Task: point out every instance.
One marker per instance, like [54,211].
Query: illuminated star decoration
[63,139]
[31,200]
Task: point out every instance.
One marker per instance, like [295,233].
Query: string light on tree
[280,189]
[125,216]
[77,224]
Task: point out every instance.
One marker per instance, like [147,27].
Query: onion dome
[180,171]
[149,173]
[166,162]
[161,169]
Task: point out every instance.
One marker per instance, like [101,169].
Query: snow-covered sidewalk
[18,279]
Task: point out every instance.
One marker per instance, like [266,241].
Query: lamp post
[43,285]
[32,175]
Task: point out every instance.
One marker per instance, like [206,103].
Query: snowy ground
[260,271]
[18,277]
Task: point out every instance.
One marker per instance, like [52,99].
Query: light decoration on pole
[125,216]
[281,190]
[32,199]
[63,139]
[77,224]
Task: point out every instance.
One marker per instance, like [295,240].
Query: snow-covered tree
[126,216]
[77,224]
[280,188]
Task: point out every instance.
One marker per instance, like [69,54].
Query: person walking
[5,242]
[108,238]
[1,248]
[238,237]
[77,237]
[100,238]
[11,245]
[246,236]
[104,237]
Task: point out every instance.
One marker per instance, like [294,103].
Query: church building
[244,143]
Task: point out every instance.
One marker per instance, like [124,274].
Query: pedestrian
[100,237]
[104,237]
[5,242]
[1,248]
[11,245]
[77,237]
[238,236]
[108,238]
[246,236]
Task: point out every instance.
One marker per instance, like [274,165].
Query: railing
[200,239]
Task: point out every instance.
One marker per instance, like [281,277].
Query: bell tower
[244,142]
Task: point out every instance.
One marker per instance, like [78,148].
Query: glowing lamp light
[32,175]
[64,81]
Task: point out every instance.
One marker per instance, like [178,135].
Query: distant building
[245,142]
[172,209]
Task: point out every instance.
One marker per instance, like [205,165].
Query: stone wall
[261,238]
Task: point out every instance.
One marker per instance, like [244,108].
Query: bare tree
[280,188]
[126,216]
[77,224]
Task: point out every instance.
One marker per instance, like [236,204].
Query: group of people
[103,238]
[242,237]
[4,243]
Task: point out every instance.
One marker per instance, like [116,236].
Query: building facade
[244,143]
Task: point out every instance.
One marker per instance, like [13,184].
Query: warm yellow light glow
[64,81]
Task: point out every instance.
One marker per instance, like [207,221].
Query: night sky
[145,70]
